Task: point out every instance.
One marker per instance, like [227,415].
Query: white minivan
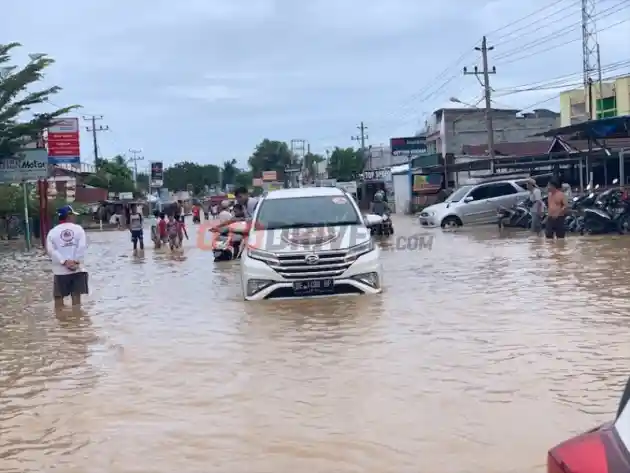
[310,242]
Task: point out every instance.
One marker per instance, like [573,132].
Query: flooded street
[482,353]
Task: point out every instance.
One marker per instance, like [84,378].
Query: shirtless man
[557,207]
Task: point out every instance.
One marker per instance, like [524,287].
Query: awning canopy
[615,127]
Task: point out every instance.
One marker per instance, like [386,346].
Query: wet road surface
[482,353]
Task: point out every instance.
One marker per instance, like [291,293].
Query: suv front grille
[331,264]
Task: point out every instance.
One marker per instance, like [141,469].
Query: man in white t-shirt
[66,244]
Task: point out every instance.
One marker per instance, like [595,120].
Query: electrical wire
[561,81]
[507,38]
[564,31]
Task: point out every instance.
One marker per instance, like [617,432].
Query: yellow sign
[419,182]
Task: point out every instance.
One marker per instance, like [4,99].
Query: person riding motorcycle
[378,206]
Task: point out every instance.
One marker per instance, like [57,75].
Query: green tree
[229,172]
[243,179]
[16,100]
[270,156]
[143,181]
[181,175]
[112,174]
[345,164]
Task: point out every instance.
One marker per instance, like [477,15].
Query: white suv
[309,242]
[473,204]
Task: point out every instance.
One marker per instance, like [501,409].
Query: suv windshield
[458,194]
[307,212]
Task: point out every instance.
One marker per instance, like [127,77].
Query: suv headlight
[262,255]
[359,250]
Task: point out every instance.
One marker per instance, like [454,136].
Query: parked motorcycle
[609,214]
[518,216]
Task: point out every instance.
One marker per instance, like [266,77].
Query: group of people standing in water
[170,230]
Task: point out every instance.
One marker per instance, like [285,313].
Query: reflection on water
[481,354]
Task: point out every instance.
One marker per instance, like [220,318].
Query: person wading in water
[557,207]
[538,206]
[135,226]
[66,244]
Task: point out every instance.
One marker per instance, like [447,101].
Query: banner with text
[27,165]
[411,146]
[157,174]
[63,142]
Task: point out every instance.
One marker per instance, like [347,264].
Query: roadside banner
[157,174]
[63,142]
[27,165]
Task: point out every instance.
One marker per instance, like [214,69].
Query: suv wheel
[451,222]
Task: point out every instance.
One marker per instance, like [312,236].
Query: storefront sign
[377,175]
[28,165]
[411,146]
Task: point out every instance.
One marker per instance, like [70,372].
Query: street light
[456,100]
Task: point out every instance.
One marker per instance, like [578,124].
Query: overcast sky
[206,80]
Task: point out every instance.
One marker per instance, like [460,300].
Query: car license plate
[314,287]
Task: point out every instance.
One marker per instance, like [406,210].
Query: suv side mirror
[469,199]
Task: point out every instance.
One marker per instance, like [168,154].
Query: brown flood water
[481,354]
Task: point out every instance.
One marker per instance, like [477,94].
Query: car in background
[309,242]
[604,449]
[473,204]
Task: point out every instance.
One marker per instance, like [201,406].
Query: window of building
[607,107]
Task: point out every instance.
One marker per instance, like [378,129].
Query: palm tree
[16,101]
[229,172]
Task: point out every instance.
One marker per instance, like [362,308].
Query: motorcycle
[385,228]
[518,216]
[227,245]
[223,249]
[610,214]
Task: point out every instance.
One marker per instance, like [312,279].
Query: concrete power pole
[361,138]
[487,93]
[135,158]
[94,130]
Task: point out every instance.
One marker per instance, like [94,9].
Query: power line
[570,80]
[544,40]
[507,38]
[552,47]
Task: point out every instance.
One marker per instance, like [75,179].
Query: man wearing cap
[66,245]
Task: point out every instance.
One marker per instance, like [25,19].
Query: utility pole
[589,52]
[298,150]
[94,130]
[487,93]
[135,158]
[361,137]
